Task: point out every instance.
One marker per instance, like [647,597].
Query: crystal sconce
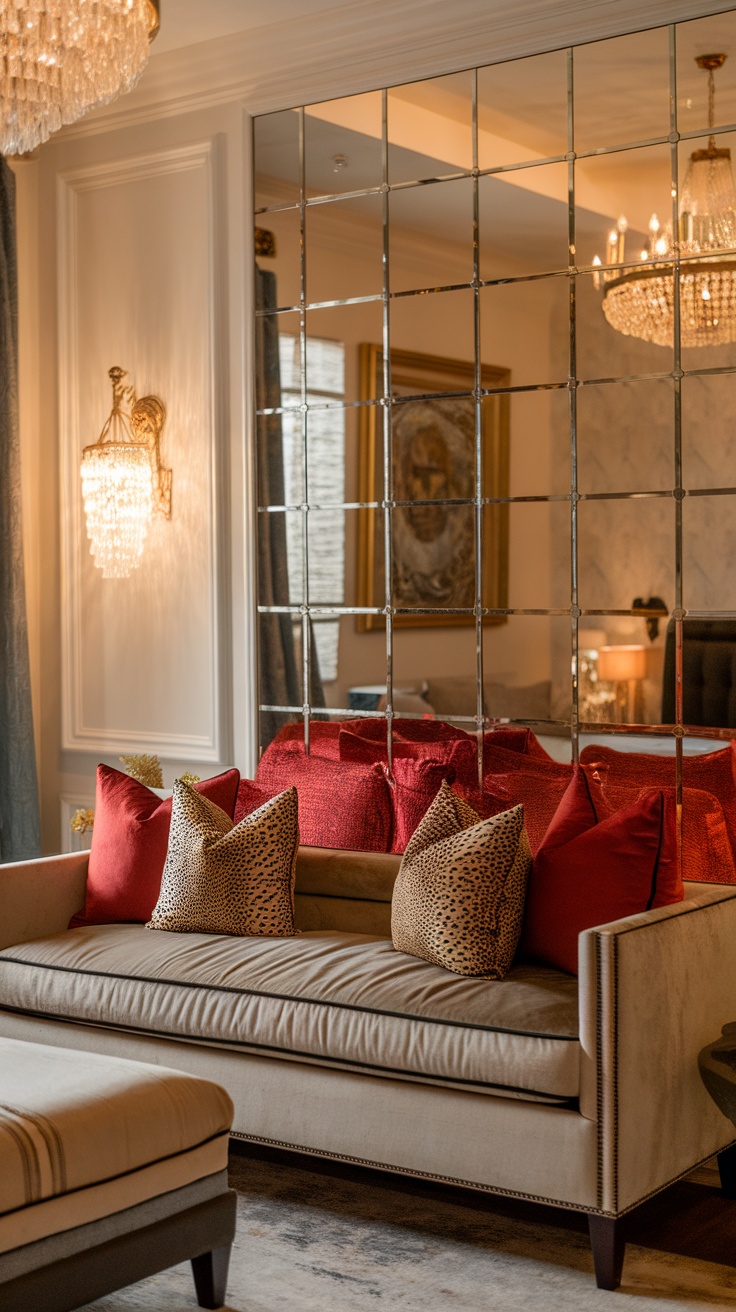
[123,480]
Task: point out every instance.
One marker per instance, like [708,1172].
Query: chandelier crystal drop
[641,301]
[123,481]
[61,58]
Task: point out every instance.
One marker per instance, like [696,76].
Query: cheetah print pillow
[225,879]
[458,900]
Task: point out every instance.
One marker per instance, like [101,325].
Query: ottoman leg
[727,1171]
[210,1276]
[608,1244]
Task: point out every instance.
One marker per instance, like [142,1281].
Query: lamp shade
[617,664]
[591,639]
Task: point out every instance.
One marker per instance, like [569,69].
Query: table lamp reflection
[624,666]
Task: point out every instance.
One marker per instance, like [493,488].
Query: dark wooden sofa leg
[727,1171]
[608,1244]
[210,1276]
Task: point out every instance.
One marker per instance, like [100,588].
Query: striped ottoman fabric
[86,1137]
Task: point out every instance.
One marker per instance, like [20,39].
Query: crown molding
[362,46]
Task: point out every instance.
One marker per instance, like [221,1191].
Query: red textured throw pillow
[459,756]
[406,731]
[539,792]
[341,804]
[497,759]
[250,797]
[711,772]
[516,738]
[323,739]
[129,843]
[414,787]
[588,873]
[706,847]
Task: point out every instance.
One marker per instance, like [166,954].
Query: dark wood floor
[690,1219]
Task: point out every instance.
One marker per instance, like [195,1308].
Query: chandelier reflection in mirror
[640,303]
[61,58]
[123,480]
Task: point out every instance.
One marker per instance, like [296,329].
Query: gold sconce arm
[147,418]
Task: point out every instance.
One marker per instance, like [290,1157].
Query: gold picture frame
[434,455]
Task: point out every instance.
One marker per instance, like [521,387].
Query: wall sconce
[655,609]
[625,666]
[123,480]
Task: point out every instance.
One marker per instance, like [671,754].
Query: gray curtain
[19,812]
[280,679]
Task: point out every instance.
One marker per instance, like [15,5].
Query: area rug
[316,1237]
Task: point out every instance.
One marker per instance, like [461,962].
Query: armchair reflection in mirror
[708,673]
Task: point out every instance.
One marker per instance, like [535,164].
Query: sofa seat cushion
[328,997]
[84,1136]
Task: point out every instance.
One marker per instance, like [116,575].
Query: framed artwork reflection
[433,541]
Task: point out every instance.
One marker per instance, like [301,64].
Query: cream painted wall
[135,234]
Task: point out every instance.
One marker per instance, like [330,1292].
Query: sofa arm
[654,989]
[40,897]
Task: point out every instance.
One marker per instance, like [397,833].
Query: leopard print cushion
[225,879]
[458,900]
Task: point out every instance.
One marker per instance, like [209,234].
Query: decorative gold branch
[146,769]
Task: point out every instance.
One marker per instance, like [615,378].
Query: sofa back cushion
[129,843]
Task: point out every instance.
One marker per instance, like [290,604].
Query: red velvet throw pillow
[341,804]
[129,843]
[587,873]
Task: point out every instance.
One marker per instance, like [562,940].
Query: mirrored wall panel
[496,388]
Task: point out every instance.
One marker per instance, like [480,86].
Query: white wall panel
[141,663]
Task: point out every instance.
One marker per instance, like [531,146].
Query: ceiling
[189,22]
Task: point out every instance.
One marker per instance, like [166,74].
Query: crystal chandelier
[123,480]
[61,58]
[640,302]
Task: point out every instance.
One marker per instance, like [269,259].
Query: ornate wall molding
[198,162]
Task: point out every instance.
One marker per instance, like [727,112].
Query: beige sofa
[579,1093]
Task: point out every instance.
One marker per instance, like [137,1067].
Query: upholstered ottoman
[110,1170]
